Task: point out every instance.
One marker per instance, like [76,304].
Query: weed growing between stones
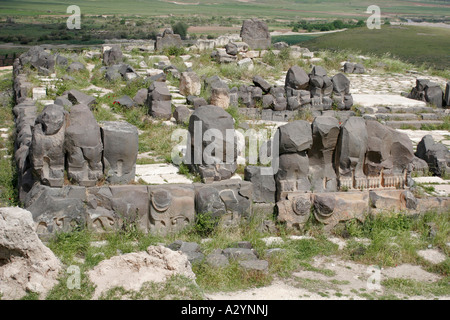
[8,174]
[417,288]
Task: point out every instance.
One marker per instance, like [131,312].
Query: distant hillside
[278,9]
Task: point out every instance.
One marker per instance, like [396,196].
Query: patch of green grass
[103,114]
[313,285]
[418,288]
[67,245]
[8,171]
[184,170]
[31,296]
[226,235]
[230,278]
[8,176]
[298,254]
[443,126]
[340,282]
[281,61]
[61,291]
[306,249]
[293,39]
[308,267]
[234,112]
[176,287]
[156,136]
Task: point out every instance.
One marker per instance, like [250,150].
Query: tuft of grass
[103,114]
[308,267]
[176,287]
[443,126]
[418,288]
[31,296]
[234,112]
[314,285]
[67,245]
[308,248]
[61,292]
[230,278]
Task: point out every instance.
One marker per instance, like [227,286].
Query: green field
[418,45]
[280,9]
[293,39]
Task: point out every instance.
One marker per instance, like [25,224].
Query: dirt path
[422,24]
[291,33]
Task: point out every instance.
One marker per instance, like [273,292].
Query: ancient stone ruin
[74,170]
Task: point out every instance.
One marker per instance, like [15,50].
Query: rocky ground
[350,281]
[345,280]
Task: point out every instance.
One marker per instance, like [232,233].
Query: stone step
[432,116]
[394,116]
[412,124]
[398,109]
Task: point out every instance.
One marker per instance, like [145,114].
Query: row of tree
[325,26]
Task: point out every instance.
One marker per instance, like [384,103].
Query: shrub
[175,51]
[181,29]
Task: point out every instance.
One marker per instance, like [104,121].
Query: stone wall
[73,170]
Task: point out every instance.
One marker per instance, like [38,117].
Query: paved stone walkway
[160,173]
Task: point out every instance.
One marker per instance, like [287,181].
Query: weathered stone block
[294,211]
[120,149]
[263,185]
[172,208]
[256,34]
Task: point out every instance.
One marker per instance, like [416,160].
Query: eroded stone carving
[84,147]
[47,148]
[56,209]
[213,145]
[293,167]
[350,152]
[325,133]
[294,211]
[229,199]
[172,208]
[331,208]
